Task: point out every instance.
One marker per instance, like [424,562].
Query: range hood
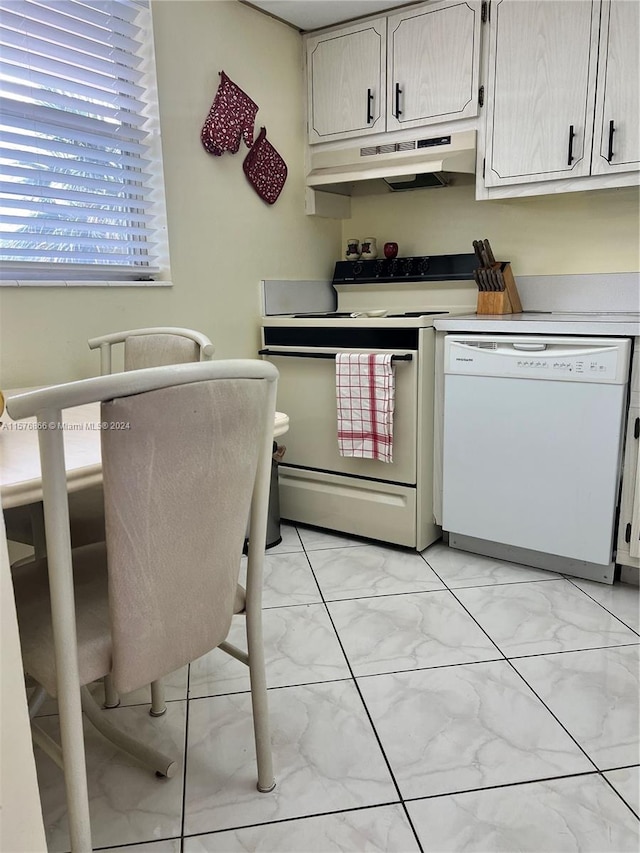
[423,161]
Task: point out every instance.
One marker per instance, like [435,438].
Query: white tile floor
[434,702]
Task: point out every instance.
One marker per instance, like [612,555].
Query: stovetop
[334,315]
[343,320]
[406,292]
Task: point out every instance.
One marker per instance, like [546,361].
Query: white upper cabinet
[541,90]
[346,81]
[617,127]
[433,59]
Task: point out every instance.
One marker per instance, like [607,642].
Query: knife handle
[490,255]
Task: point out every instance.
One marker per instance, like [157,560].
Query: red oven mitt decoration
[265,169]
[232,115]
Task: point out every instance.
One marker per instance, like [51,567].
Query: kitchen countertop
[542,323]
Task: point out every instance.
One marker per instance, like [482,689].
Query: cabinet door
[629,526]
[542,64]
[345,81]
[617,129]
[433,64]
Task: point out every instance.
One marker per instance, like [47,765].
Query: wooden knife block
[506,301]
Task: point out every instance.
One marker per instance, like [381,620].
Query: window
[81,194]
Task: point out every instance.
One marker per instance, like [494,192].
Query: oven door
[307,393]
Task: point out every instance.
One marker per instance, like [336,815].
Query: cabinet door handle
[571,136]
[369,103]
[398,111]
[612,130]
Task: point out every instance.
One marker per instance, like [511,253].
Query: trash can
[274,536]
[273,510]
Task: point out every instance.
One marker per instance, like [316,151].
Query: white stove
[382,306]
[381,319]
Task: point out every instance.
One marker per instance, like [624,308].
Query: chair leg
[259,702]
[111,698]
[152,758]
[158,704]
[36,700]
[75,776]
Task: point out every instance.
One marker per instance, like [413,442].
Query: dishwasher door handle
[530,347]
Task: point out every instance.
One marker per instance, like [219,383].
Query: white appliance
[383,306]
[420,162]
[532,448]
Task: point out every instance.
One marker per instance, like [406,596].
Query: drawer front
[382,511]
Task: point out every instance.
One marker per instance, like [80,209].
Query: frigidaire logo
[459,358]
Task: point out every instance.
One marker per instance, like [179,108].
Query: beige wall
[223,238]
[581,232]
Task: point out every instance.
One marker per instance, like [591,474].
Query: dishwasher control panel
[566,359]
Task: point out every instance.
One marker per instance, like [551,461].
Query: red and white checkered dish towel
[365,392]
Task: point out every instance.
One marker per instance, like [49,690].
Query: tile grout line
[434,591]
[278,821]
[612,786]
[471,616]
[519,784]
[366,710]
[587,756]
[606,609]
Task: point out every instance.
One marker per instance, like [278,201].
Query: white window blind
[81,193]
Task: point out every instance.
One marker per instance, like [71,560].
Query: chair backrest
[178,485]
[153,347]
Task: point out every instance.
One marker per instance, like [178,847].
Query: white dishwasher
[532,448]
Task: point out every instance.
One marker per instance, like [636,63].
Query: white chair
[148,347]
[178,485]
[152,347]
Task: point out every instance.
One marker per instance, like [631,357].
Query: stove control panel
[414,268]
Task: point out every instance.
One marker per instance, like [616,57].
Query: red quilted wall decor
[265,169]
[232,116]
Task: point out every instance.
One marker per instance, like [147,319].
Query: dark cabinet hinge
[484,13]
[481,96]
[636,428]
[627,533]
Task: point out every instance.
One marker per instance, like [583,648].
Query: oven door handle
[405,357]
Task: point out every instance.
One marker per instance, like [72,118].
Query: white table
[20,476]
